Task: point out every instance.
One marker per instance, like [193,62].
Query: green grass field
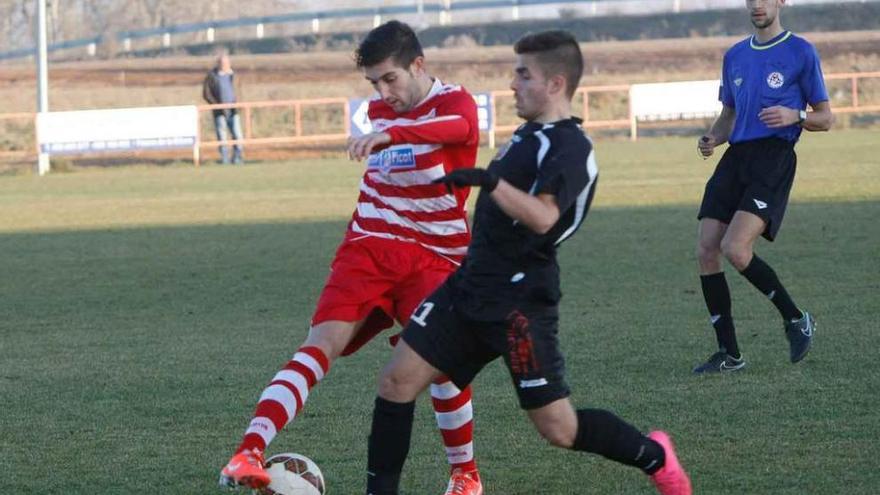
[143,309]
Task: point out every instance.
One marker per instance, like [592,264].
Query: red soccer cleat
[462,483]
[671,478]
[245,469]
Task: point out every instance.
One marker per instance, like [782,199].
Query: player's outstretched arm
[538,213]
[360,147]
[454,122]
[444,129]
[719,133]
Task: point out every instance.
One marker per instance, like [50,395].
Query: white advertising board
[675,100]
[121,129]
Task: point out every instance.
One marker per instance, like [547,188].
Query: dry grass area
[176,80]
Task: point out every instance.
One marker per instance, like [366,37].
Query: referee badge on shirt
[775,80]
[392,159]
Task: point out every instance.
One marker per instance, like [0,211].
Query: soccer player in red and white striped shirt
[405,237]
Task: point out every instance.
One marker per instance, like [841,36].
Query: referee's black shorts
[461,344]
[753,176]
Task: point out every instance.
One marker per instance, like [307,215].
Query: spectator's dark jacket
[211,91]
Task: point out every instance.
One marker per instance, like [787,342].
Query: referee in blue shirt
[767,81]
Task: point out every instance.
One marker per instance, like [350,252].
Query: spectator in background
[220,87]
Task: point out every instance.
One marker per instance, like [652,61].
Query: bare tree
[76,19]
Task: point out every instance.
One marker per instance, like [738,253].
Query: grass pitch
[142,310]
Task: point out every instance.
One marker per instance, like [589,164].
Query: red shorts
[378,280]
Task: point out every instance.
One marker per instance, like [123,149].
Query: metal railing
[583,92]
[298,133]
[445,10]
[296,106]
[855,103]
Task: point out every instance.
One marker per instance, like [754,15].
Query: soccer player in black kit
[503,300]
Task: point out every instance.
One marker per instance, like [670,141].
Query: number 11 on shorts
[420,314]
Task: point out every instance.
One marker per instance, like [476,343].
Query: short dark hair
[557,52]
[394,40]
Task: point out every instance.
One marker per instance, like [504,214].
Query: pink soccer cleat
[462,483]
[245,469]
[671,478]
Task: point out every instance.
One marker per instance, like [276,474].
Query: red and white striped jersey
[397,199]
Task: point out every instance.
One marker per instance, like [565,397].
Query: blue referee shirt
[783,71]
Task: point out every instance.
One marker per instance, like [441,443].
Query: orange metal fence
[854,77]
[583,92]
[299,134]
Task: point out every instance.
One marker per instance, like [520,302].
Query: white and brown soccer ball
[293,474]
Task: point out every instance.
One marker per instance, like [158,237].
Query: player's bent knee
[708,256]
[738,254]
[396,387]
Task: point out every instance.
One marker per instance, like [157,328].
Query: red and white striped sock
[285,396]
[455,417]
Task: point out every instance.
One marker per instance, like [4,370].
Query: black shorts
[460,344]
[754,176]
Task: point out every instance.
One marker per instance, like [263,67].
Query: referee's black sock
[765,280]
[717,297]
[603,433]
[388,445]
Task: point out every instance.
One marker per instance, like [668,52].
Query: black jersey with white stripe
[557,159]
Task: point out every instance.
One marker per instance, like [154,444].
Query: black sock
[717,296]
[603,433]
[388,445]
[765,280]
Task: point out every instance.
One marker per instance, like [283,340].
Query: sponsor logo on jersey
[738,81]
[760,204]
[775,80]
[392,159]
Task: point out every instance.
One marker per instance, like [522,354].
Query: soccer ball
[293,474]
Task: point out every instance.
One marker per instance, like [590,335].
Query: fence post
[197,145]
[297,112]
[247,122]
[633,122]
[855,91]
[346,115]
[494,119]
[446,13]
[586,105]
